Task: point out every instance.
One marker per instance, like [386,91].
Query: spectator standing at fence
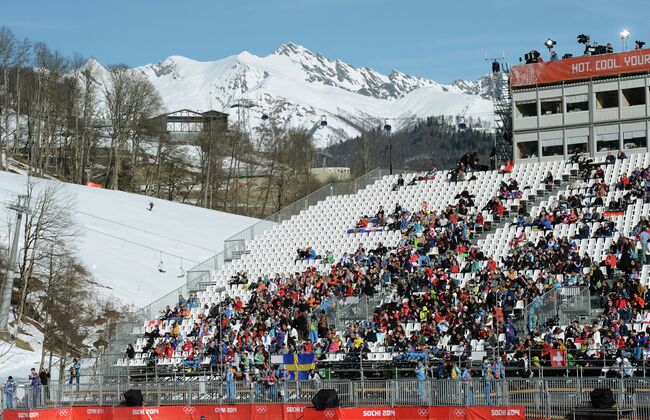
[421,375]
[75,372]
[35,384]
[486,374]
[257,383]
[466,378]
[230,383]
[44,375]
[10,389]
[270,383]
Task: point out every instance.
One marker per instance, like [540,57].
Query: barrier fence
[270,411]
[541,398]
[389,364]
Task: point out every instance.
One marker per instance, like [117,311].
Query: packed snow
[122,243]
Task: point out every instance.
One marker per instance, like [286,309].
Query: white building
[592,104]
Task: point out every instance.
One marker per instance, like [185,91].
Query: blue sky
[439,40]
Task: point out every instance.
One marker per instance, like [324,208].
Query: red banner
[580,68]
[267,412]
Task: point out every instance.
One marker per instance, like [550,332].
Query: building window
[607,99]
[527,149]
[607,142]
[526,109]
[635,139]
[577,145]
[551,106]
[577,103]
[633,96]
[553,149]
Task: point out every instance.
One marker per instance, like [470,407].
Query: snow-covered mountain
[481,87]
[297,87]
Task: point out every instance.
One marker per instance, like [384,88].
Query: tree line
[436,140]
[70,118]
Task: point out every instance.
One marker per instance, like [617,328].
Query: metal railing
[390,365]
[576,304]
[555,306]
[548,398]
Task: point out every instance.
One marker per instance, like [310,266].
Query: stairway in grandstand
[329,226]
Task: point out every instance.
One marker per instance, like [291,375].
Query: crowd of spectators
[420,281]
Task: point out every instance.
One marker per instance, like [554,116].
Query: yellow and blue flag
[300,364]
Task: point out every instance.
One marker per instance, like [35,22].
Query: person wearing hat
[627,370]
[486,374]
[421,375]
[10,388]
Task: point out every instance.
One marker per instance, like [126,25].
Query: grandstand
[367,293]
[329,226]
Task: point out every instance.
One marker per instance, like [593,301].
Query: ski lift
[323,121]
[181,274]
[462,125]
[161,266]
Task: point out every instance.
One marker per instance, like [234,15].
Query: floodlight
[550,44]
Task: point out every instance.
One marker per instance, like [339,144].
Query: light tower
[502,109]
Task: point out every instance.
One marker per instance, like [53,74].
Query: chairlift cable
[137,244]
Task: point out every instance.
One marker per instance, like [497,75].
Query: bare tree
[48,229]
[21,58]
[130,100]
[7,45]
[64,304]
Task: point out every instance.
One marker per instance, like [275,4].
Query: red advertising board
[637,61]
[267,412]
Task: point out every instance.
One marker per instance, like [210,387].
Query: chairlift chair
[181,274]
[323,121]
[161,266]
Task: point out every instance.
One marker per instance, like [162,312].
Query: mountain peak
[291,49]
